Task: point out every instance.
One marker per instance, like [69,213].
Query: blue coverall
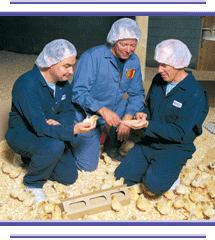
[46,148]
[98,83]
[175,121]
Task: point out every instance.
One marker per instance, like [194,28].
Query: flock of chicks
[194,198]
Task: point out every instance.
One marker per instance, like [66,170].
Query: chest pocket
[171,113]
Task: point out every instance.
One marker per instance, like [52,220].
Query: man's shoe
[115,155]
[38,192]
[176,183]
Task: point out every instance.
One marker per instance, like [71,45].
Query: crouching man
[42,123]
[175,108]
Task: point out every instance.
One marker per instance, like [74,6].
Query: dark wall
[185,28]
[30,34]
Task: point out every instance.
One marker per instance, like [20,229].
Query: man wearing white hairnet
[42,119]
[103,75]
[176,106]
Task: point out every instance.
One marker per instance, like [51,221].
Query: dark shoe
[115,155]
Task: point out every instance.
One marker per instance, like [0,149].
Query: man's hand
[139,125]
[124,131]
[140,115]
[84,127]
[52,122]
[109,116]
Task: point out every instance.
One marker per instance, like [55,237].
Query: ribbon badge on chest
[130,73]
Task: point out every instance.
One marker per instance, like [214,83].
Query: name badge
[130,73]
[177,104]
[63,97]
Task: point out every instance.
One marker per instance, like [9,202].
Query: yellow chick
[195,214]
[40,208]
[92,189]
[195,197]
[64,216]
[91,119]
[58,187]
[6,168]
[209,212]
[86,217]
[189,205]
[16,191]
[70,193]
[179,203]
[169,194]
[105,186]
[56,198]
[203,183]
[196,182]
[111,169]
[205,175]
[56,213]
[115,204]
[15,173]
[109,181]
[135,217]
[119,182]
[212,193]
[163,207]
[23,195]
[29,215]
[137,188]
[142,204]
[202,167]
[85,190]
[107,159]
[29,200]
[43,217]
[5,216]
[109,178]
[191,172]
[49,207]
[204,205]
[133,194]
[186,181]
[180,189]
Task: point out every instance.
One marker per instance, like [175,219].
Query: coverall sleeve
[190,113]
[85,75]
[136,94]
[30,107]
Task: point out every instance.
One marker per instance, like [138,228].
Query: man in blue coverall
[176,106]
[103,75]
[42,123]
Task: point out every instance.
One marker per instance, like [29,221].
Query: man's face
[168,73]
[62,70]
[124,48]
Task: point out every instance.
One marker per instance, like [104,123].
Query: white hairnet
[124,28]
[54,52]
[173,52]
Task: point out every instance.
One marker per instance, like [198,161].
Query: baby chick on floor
[115,204]
[142,203]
